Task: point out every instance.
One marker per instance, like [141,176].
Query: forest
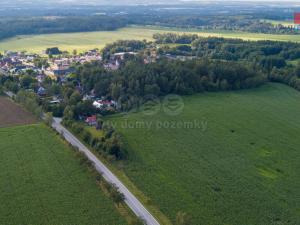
[271,57]
[10,27]
[135,80]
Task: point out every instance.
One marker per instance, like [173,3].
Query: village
[59,67]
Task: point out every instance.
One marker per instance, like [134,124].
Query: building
[103,104]
[91,121]
[41,91]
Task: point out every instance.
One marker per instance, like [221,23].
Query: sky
[20,3]
[137,1]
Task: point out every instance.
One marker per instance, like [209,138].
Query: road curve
[134,204]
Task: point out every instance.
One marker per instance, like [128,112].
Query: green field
[286,23]
[243,168]
[41,182]
[294,62]
[89,40]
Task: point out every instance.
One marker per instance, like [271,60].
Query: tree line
[110,145]
[135,80]
[28,25]
[271,57]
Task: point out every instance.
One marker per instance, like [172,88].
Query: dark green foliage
[173,38]
[42,62]
[21,26]
[116,196]
[135,80]
[28,82]
[123,46]
[110,145]
[30,101]
[53,51]
[273,62]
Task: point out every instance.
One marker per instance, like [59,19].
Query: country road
[133,203]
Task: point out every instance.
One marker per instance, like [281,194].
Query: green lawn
[89,40]
[41,182]
[243,168]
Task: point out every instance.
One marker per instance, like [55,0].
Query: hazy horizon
[136,2]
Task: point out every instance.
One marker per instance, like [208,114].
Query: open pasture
[89,40]
[236,161]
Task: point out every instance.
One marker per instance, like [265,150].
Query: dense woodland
[234,23]
[266,53]
[22,26]
[135,80]
[123,46]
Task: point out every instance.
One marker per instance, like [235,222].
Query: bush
[48,119]
[86,135]
[77,129]
[116,195]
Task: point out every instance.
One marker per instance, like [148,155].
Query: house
[102,104]
[122,55]
[88,97]
[41,91]
[91,121]
[115,65]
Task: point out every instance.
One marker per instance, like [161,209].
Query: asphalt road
[133,203]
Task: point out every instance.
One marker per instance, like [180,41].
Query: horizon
[141,2]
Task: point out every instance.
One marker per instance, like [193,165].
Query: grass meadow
[41,182]
[89,40]
[239,166]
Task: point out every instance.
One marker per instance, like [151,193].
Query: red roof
[297,18]
[91,119]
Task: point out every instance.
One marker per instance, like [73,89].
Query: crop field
[90,40]
[286,23]
[12,114]
[227,158]
[41,182]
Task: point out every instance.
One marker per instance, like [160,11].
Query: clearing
[12,114]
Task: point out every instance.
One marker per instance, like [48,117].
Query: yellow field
[89,40]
